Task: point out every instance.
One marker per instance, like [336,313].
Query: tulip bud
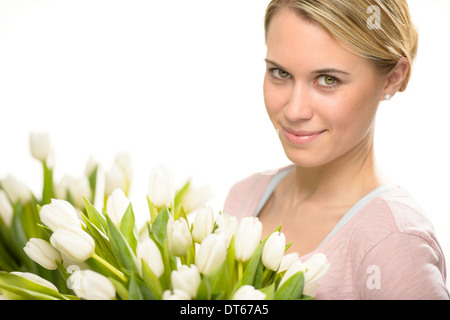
[90,285]
[16,190]
[186,279]
[247,238]
[226,226]
[161,189]
[248,292]
[35,278]
[177,294]
[91,165]
[114,178]
[211,255]
[293,269]
[194,198]
[123,160]
[59,214]
[178,236]
[203,223]
[76,187]
[117,205]
[40,146]
[6,209]
[315,266]
[73,242]
[287,261]
[273,250]
[149,252]
[41,252]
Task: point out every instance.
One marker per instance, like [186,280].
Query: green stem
[48,183]
[240,269]
[108,266]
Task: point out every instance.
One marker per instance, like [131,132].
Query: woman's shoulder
[394,234]
[397,211]
[244,195]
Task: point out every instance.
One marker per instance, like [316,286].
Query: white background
[180,83]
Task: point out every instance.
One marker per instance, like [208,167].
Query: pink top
[386,250]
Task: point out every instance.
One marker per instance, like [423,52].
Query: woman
[329,64]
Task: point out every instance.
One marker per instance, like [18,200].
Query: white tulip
[293,269]
[59,214]
[16,190]
[226,226]
[123,160]
[247,238]
[194,198]
[178,236]
[6,209]
[203,223]
[186,279]
[91,164]
[40,145]
[35,278]
[248,292]
[316,266]
[211,254]
[273,250]
[73,242]
[161,189]
[114,178]
[287,261]
[116,205]
[177,294]
[149,252]
[90,285]
[76,187]
[43,253]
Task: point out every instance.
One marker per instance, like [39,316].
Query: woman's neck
[342,181]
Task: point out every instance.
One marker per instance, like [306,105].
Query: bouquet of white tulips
[85,253]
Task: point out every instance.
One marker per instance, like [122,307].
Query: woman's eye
[280,74]
[327,81]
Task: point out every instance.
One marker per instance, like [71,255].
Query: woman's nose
[299,106]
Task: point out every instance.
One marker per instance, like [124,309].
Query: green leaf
[159,225]
[15,286]
[121,248]
[93,181]
[127,227]
[269,291]
[204,289]
[153,209]
[292,288]
[259,276]
[19,239]
[94,216]
[103,245]
[253,266]
[134,291]
[121,290]
[152,281]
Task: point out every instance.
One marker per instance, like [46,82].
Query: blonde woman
[329,65]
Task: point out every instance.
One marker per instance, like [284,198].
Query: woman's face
[321,97]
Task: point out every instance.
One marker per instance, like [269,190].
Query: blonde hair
[348,22]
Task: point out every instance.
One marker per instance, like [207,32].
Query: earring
[387,97]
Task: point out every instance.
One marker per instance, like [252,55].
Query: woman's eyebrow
[330,70]
[320,71]
[275,64]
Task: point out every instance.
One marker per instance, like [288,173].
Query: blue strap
[357,207]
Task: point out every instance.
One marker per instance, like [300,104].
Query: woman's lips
[301,137]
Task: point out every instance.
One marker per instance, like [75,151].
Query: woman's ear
[396,77]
